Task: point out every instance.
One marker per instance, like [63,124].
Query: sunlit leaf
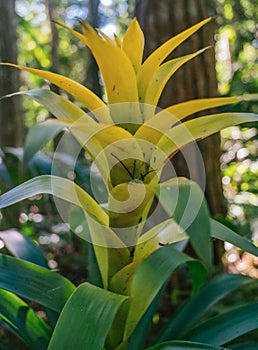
[224,233]
[133,44]
[55,185]
[158,56]
[24,321]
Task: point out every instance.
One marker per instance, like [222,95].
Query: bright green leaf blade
[34,282]
[39,135]
[198,305]
[25,322]
[86,319]
[198,129]
[152,274]
[22,247]
[224,233]
[184,345]
[55,185]
[223,328]
[184,201]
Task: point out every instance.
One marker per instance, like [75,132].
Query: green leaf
[39,135]
[195,307]
[34,283]
[224,233]
[24,321]
[153,273]
[184,201]
[184,345]
[223,328]
[245,345]
[57,105]
[22,247]
[55,185]
[86,319]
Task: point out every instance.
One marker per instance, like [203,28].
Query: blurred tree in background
[10,113]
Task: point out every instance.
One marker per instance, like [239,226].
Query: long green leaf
[223,328]
[39,135]
[149,278]
[25,322]
[184,345]
[245,345]
[86,319]
[34,283]
[22,247]
[184,201]
[59,106]
[55,185]
[224,233]
[192,311]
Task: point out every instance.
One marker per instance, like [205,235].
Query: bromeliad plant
[135,252]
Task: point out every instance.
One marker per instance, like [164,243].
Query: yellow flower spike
[151,64]
[133,44]
[80,92]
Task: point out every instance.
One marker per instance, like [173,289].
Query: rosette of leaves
[130,141]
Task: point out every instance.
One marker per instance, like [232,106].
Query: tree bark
[160,20]
[11,120]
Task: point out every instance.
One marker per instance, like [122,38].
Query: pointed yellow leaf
[104,36]
[161,122]
[197,129]
[133,44]
[116,69]
[163,74]
[184,109]
[117,40]
[80,92]
[158,56]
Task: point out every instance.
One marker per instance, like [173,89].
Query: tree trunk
[160,20]
[11,121]
[92,74]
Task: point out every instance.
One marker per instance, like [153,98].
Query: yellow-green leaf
[133,44]
[163,74]
[80,92]
[158,56]
[197,129]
